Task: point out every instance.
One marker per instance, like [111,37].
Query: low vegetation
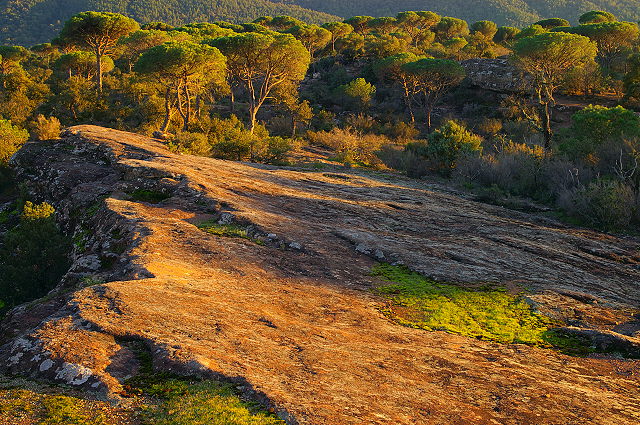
[33,254]
[174,400]
[228,230]
[150,196]
[483,311]
[50,408]
[486,312]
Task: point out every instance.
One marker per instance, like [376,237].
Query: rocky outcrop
[287,313]
[495,75]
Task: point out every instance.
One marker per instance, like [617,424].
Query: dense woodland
[503,12]
[28,22]
[383,93]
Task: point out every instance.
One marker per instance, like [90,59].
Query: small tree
[546,58]
[597,16]
[552,23]
[183,70]
[391,69]
[11,138]
[99,32]
[531,31]
[359,91]
[447,144]
[33,255]
[337,30]
[506,35]
[80,63]
[43,128]
[451,27]
[312,37]
[482,33]
[596,125]
[610,37]
[632,78]
[137,42]
[360,24]
[434,77]
[383,25]
[416,24]
[11,56]
[264,63]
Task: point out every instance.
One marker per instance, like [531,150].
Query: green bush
[350,146]
[43,128]
[33,256]
[595,125]
[606,204]
[358,92]
[447,145]
[190,143]
[271,150]
[11,138]
[231,140]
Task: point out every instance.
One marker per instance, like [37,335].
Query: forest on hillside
[387,93]
[28,22]
[503,12]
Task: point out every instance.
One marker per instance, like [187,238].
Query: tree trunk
[99,70]
[293,126]
[233,101]
[407,101]
[429,110]
[187,116]
[253,111]
[167,110]
[548,133]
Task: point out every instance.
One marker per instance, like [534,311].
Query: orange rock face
[292,319]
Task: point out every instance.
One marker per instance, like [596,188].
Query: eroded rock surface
[495,74]
[291,320]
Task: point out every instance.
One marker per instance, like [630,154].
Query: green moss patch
[190,400]
[150,196]
[488,312]
[227,230]
[204,403]
[48,409]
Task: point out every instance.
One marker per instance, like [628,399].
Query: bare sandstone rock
[300,329]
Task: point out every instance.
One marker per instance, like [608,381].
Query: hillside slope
[28,22]
[504,12]
[293,320]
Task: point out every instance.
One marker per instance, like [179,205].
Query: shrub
[351,146]
[489,126]
[190,143]
[44,128]
[232,149]
[11,138]
[516,168]
[230,139]
[401,131]
[358,92]
[361,123]
[595,125]
[603,203]
[33,256]
[447,144]
[271,150]
[398,158]
[323,121]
